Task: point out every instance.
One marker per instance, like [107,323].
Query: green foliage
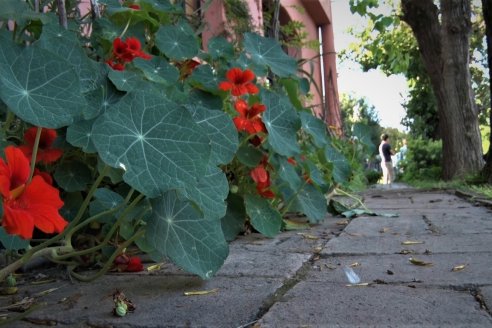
[388,44]
[423,160]
[153,154]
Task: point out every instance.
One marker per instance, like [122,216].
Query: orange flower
[249,118]
[26,206]
[46,154]
[239,82]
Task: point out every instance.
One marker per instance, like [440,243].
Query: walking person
[386,164]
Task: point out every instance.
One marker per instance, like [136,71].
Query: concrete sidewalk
[297,279]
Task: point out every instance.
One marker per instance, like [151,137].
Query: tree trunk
[444,47]
[487,17]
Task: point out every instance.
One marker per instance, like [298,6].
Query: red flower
[136,7]
[262,179]
[134,264]
[127,263]
[27,206]
[115,65]
[45,175]
[249,119]
[239,82]
[292,161]
[124,52]
[256,141]
[45,154]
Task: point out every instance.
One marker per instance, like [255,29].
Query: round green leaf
[249,155]
[73,176]
[154,140]
[11,242]
[65,44]
[309,201]
[125,80]
[157,70]
[282,124]
[219,47]
[264,218]
[177,230]
[79,135]
[220,130]
[341,167]
[105,199]
[101,98]
[204,78]
[71,204]
[39,87]
[288,173]
[209,193]
[315,127]
[177,41]
[268,52]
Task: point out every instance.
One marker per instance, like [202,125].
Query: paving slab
[469,224]
[377,226]
[315,304]
[347,244]
[160,302]
[397,269]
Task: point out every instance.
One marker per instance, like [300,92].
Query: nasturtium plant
[129,131]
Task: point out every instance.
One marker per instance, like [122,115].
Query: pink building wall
[316,16]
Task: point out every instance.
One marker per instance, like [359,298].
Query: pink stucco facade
[321,63]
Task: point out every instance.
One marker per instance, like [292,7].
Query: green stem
[354,198]
[108,235]
[126,27]
[34,153]
[110,261]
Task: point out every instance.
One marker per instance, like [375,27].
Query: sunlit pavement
[429,267]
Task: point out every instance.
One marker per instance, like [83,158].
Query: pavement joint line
[481,300]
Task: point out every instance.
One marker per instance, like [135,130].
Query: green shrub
[423,160]
[372,176]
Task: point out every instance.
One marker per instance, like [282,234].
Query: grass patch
[479,190]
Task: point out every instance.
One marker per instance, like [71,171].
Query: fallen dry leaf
[308,236]
[384,230]
[418,262]
[363,284]
[201,292]
[412,242]
[155,267]
[343,222]
[406,251]
[458,268]
[355,264]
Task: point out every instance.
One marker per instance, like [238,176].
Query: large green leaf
[72,201]
[341,167]
[219,47]
[105,199]
[288,173]
[263,216]
[315,127]
[101,98]
[282,124]
[125,80]
[177,41]
[156,141]
[157,70]
[65,44]
[363,133]
[233,222]
[220,130]
[309,201]
[12,243]
[79,135]
[204,78]
[249,155]
[39,87]
[267,52]
[73,176]
[209,193]
[178,231]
